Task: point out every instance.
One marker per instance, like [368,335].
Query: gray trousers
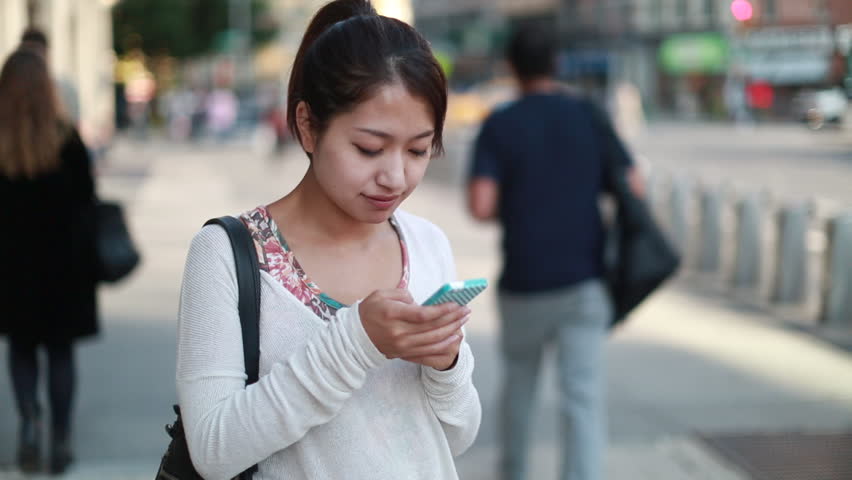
[575,320]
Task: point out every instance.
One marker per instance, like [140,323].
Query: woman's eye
[419,153]
[368,152]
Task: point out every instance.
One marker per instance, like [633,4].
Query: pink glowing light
[742,10]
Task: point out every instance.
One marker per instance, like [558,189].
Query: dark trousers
[24,369]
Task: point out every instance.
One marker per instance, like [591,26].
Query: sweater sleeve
[229,426]
[451,393]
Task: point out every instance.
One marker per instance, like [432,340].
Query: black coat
[47,274]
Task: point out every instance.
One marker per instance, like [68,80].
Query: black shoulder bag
[176,463]
[641,256]
[117,256]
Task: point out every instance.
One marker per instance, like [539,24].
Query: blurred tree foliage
[182,28]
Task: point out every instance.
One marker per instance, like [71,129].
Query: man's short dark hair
[34,36]
[532,52]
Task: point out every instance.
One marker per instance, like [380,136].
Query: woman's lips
[382,202]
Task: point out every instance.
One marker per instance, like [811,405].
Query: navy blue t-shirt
[547,153]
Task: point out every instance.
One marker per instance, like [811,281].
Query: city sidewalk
[684,365]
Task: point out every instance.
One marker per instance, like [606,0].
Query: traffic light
[742,10]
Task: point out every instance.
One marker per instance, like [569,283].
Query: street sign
[694,53]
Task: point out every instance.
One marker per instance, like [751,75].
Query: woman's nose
[392,174]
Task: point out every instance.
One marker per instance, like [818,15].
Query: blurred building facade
[684,56]
[81,53]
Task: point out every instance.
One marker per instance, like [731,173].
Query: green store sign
[694,53]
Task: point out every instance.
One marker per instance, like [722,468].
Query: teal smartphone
[460,292]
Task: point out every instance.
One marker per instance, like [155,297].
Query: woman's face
[371,158]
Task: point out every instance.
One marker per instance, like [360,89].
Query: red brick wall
[803,12]
[797,12]
[841,11]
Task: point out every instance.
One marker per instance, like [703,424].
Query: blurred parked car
[820,107]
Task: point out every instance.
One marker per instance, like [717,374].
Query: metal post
[678,223]
[747,264]
[656,192]
[837,298]
[710,231]
[791,267]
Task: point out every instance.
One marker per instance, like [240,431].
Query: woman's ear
[306,130]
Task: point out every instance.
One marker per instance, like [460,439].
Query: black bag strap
[248,284]
[248,281]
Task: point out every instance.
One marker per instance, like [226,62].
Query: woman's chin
[375,217]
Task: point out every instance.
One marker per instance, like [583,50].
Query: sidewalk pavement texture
[684,364]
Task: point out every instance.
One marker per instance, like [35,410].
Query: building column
[62,51]
[94,63]
[13,21]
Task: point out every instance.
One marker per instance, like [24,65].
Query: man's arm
[615,152]
[486,174]
[636,181]
[482,196]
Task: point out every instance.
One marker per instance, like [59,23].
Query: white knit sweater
[328,404]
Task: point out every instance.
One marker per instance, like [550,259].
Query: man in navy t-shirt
[538,169]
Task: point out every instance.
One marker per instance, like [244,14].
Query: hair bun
[333,13]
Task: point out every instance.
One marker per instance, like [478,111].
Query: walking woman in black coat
[47,275]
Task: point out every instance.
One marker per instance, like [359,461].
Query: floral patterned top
[275,258]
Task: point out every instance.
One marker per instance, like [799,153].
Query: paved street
[685,364]
[787,160]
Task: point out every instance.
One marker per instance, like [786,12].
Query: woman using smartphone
[357,379]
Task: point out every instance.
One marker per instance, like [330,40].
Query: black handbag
[116,255]
[176,463]
[641,257]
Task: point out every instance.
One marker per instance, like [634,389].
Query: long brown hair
[31,126]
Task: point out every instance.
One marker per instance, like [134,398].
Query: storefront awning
[788,67]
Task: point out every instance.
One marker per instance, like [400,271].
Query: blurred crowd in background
[216,69]
[132,74]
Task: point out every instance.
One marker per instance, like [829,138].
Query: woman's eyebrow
[387,135]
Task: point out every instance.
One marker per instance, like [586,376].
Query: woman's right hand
[399,328]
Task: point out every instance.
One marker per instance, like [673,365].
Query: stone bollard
[656,192]
[790,284]
[678,211]
[747,262]
[837,296]
[710,231]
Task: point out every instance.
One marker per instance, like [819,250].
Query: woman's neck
[319,217]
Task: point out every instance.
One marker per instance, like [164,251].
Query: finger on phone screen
[458,318]
[433,313]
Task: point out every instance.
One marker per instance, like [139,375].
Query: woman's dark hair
[348,52]
[32,128]
[532,52]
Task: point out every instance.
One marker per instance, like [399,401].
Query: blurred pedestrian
[538,169]
[47,290]
[139,93]
[357,379]
[222,110]
[198,117]
[180,105]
